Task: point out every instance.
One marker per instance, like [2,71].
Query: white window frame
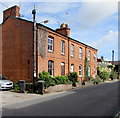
[50,43]
[72,50]
[51,68]
[89,71]
[89,55]
[80,71]
[80,52]
[72,67]
[62,47]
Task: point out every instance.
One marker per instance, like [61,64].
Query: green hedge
[52,81]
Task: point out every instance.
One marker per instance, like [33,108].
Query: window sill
[50,51]
[62,54]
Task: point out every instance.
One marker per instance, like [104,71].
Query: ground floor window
[89,70]
[51,67]
[94,71]
[80,71]
[62,68]
[72,67]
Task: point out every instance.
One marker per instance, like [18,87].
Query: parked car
[5,84]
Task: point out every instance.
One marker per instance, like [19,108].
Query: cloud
[106,44]
[95,12]
[53,7]
[51,20]
[109,40]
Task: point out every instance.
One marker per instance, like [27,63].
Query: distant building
[57,52]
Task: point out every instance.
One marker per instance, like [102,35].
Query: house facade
[57,53]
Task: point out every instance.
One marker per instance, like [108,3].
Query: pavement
[9,98]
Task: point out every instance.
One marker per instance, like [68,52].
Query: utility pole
[34,49]
[112,57]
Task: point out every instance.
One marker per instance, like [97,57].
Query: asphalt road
[99,100]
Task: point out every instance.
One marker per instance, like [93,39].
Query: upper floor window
[80,53]
[89,55]
[72,50]
[62,47]
[62,68]
[51,67]
[50,44]
[95,56]
[80,70]
[89,70]
[72,67]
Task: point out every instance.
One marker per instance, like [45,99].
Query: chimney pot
[64,29]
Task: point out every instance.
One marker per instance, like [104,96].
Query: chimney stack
[64,29]
[13,11]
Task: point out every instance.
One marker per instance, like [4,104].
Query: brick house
[58,53]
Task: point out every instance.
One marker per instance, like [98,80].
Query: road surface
[99,100]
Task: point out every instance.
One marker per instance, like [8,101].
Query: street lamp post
[35,49]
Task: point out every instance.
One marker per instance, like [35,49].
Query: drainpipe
[68,55]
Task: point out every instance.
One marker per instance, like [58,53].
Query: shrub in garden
[112,74]
[51,81]
[16,86]
[96,80]
[45,76]
[29,86]
[61,80]
[73,76]
[104,75]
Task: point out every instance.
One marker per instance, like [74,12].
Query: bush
[112,74]
[51,81]
[44,75]
[90,78]
[29,86]
[96,80]
[61,79]
[73,76]
[104,75]
[16,86]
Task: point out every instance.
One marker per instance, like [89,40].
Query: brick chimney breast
[13,11]
[64,29]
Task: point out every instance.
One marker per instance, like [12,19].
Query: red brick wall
[17,49]
[58,58]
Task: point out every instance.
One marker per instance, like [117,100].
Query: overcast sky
[94,23]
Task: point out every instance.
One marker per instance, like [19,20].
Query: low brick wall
[63,87]
[58,88]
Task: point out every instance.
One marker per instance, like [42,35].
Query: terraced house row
[56,53]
